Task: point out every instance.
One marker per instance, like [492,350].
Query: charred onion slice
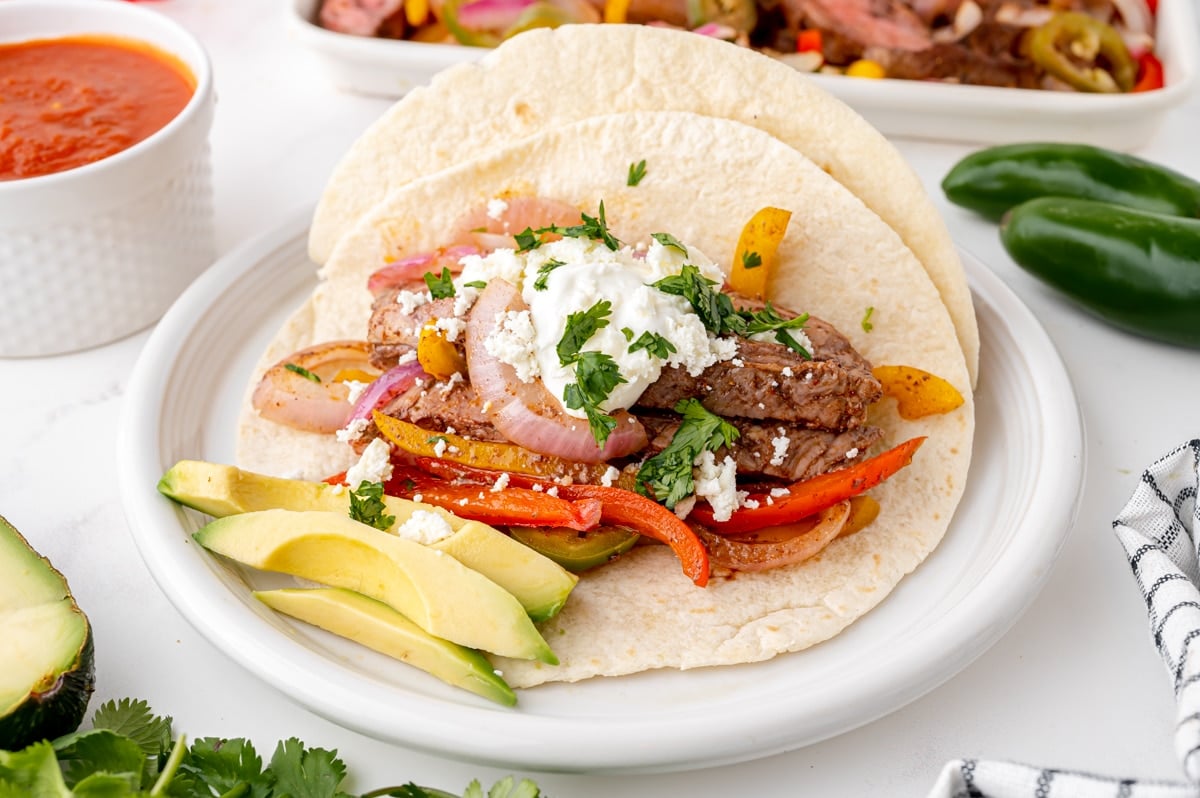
[525,412]
[776,547]
[494,227]
[301,391]
[411,270]
[387,387]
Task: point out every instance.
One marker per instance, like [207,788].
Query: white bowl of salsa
[105,178]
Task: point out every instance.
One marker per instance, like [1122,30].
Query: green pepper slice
[1083,52]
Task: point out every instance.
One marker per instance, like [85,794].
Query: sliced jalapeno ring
[1083,52]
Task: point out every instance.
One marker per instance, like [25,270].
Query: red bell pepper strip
[812,495]
[510,506]
[1150,73]
[618,506]
[809,41]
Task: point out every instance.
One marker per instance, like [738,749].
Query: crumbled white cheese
[352,430]
[798,335]
[439,448]
[501,483]
[452,326]
[464,299]
[407,357]
[553,492]
[717,483]
[610,476]
[374,465]
[418,497]
[850,455]
[354,390]
[780,492]
[426,527]
[409,301]
[787,371]
[737,362]
[750,504]
[538,487]
[496,208]
[513,341]
[780,449]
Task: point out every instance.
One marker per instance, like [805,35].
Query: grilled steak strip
[809,452]
[392,332]
[819,394]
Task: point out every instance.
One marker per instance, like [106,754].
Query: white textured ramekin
[95,253]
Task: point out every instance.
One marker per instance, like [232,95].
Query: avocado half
[47,663]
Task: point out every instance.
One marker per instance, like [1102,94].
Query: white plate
[1020,502]
[983,114]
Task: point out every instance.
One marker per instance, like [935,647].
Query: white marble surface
[1075,684]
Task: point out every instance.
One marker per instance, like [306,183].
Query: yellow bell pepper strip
[1083,52]
[416,12]
[917,392]
[507,457]
[437,355]
[811,495]
[616,11]
[866,68]
[618,507]
[863,510]
[755,254]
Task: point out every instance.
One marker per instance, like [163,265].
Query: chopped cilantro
[580,328]
[480,284]
[440,287]
[543,273]
[366,505]
[667,476]
[436,438]
[636,172]
[668,240]
[596,374]
[866,319]
[769,320]
[714,308]
[628,333]
[303,372]
[653,343]
[528,240]
[751,260]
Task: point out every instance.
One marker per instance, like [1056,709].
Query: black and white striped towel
[1158,529]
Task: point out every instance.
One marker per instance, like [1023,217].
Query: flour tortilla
[547,78]
[705,176]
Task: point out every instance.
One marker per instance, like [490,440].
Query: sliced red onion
[413,268]
[300,391]
[767,550]
[716,30]
[1135,16]
[385,388]
[525,412]
[491,14]
[579,10]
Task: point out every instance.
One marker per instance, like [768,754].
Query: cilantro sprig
[581,326]
[440,286]
[667,476]
[131,753]
[366,506]
[596,373]
[637,171]
[593,227]
[543,273]
[655,344]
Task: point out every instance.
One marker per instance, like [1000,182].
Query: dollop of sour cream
[570,276]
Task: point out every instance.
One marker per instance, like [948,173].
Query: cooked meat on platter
[1064,45]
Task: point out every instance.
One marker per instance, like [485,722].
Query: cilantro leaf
[628,333]
[134,719]
[528,239]
[667,476]
[636,172]
[543,273]
[440,287]
[480,284]
[366,505]
[103,751]
[714,308]
[306,772]
[227,767]
[866,319]
[668,240]
[580,327]
[596,374]
[769,320]
[751,260]
[654,344]
[303,372]
[594,227]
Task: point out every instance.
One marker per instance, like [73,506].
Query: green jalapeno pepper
[995,179]
[1083,52]
[1137,270]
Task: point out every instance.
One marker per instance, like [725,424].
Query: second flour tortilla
[547,78]
[704,178]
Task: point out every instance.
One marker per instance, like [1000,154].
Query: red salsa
[71,101]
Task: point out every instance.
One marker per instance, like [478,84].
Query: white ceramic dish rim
[1177,33]
[700,734]
[75,17]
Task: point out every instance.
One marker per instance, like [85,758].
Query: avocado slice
[577,551]
[47,661]
[541,585]
[434,591]
[377,626]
